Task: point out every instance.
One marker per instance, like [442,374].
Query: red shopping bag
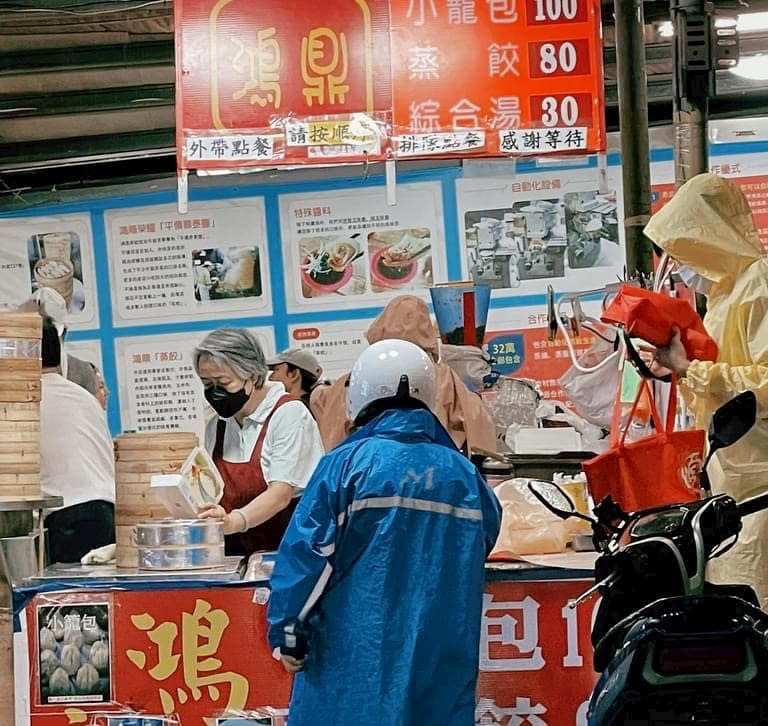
[651,316]
[659,469]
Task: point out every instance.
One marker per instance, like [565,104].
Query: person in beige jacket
[708,229]
[461,412]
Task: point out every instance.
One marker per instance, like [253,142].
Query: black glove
[296,642]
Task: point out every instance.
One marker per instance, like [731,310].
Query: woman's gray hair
[237,348]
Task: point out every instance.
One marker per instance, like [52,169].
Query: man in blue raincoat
[377,590]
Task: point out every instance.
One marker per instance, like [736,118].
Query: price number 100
[556,10]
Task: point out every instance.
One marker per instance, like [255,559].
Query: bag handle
[618,438]
[640,364]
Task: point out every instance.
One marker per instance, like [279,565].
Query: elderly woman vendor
[264,441]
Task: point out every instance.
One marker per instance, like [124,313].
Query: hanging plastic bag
[592,393]
[662,468]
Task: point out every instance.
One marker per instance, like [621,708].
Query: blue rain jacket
[385,555]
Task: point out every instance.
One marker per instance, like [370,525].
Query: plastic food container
[180,544]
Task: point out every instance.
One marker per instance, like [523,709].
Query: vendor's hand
[647,354]
[673,355]
[291,664]
[231,525]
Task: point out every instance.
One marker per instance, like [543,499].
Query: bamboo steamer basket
[137,458]
[20,389]
[63,283]
[21,326]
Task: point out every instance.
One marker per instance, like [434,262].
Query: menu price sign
[263,83]
[529,72]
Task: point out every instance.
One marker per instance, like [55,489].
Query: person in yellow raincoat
[707,228]
[462,413]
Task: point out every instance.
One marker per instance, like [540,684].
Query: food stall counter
[102,645]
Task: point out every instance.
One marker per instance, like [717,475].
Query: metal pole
[693,84]
[633,120]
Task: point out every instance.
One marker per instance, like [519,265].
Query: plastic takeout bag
[592,393]
[527,526]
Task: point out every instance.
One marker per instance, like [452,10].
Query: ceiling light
[753,67]
[665,29]
[752,22]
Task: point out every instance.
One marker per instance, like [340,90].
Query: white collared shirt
[292,445]
[76,455]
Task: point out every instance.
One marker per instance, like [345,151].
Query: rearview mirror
[732,421]
[553,498]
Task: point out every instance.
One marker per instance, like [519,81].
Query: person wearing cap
[461,412]
[298,371]
[377,591]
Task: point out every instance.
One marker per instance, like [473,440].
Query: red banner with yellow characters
[269,83]
[199,657]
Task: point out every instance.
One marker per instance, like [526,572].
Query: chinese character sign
[529,72]
[245,68]
[531,643]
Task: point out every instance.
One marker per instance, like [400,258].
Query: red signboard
[198,654]
[528,72]
[264,83]
[249,72]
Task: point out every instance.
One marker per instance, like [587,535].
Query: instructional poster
[350,249]
[336,345]
[53,252]
[210,262]
[159,389]
[561,229]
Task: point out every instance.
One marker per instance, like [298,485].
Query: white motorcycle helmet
[394,373]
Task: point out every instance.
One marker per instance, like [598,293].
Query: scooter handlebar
[750,506]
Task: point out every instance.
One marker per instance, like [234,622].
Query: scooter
[672,648]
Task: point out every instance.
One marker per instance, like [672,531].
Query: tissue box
[198,482]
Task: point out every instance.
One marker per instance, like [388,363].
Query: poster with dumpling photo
[168,267]
[73,653]
[352,245]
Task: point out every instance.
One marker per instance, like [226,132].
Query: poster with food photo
[54,253]
[73,653]
[521,233]
[168,267]
[351,243]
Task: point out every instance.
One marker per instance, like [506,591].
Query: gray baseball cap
[299,358]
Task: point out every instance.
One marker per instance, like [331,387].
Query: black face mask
[224,402]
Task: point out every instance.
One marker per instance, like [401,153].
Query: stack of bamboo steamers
[20,370]
[137,458]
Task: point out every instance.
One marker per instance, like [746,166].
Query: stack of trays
[137,458]
[20,367]
[180,544]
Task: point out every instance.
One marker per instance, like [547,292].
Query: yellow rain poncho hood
[708,226]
